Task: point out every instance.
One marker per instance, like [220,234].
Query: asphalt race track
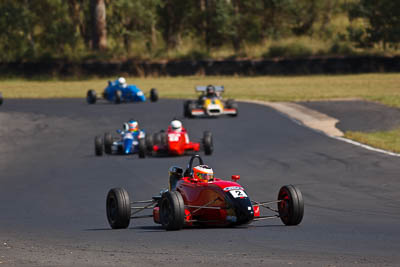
[53,189]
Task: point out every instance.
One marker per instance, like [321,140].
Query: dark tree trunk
[99,24]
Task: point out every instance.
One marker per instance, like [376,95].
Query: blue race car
[119,91]
[131,141]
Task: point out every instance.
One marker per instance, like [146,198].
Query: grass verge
[388,140]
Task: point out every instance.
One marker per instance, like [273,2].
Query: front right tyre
[290,205]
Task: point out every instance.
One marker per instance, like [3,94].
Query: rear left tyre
[118,208]
[172,211]
[153,95]
[208,143]
[291,205]
[98,146]
[91,97]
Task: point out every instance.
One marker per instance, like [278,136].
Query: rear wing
[201,88]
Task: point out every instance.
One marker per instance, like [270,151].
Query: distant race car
[190,201]
[129,142]
[1,99]
[210,103]
[119,91]
[176,143]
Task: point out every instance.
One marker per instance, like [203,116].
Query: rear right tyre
[153,95]
[108,142]
[118,97]
[98,146]
[91,97]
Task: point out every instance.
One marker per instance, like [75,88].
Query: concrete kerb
[315,120]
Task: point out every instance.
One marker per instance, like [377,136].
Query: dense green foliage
[45,29]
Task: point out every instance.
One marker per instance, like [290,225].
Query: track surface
[53,188]
[358,115]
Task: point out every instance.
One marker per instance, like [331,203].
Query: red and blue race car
[202,200]
[175,142]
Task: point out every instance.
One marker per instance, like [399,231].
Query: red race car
[195,197]
[176,142]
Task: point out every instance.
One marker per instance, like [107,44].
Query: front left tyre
[91,97]
[98,146]
[118,208]
[172,211]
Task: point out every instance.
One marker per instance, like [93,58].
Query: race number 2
[238,193]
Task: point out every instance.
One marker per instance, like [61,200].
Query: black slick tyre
[208,143]
[230,103]
[98,146]
[291,205]
[153,95]
[1,99]
[118,208]
[149,142]
[142,148]
[91,96]
[108,142]
[172,211]
[118,97]
[186,112]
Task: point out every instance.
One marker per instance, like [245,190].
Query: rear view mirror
[235,178]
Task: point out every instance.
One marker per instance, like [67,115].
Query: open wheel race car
[193,202]
[129,142]
[120,92]
[177,143]
[210,103]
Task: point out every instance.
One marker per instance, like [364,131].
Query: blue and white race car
[119,91]
[130,141]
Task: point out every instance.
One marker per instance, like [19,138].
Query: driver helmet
[176,126]
[203,173]
[133,126]
[210,90]
[122,81]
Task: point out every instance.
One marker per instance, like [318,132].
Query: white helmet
[122,81]
[176,125]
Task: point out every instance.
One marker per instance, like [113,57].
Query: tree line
[32,29]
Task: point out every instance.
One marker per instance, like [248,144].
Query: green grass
[388,140]
[383,88]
